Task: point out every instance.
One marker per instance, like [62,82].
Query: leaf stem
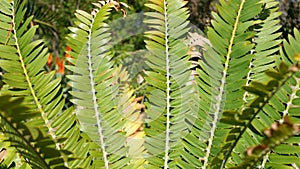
[168,113]
[96,107]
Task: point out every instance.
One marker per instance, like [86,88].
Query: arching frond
[237,107]
[97,88]
[23,58]
[266,41]
[265,54]
[278,108]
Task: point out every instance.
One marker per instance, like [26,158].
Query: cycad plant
[238,107]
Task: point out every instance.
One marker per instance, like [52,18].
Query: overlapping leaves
[98,92]
[285,103]
[23,58]
[276,135]
[242,120]
[171,94]
[187,126]
[222,73]
[36,149]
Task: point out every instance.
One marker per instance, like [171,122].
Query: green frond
[283,104]
[97,90]
[266,41]
[278,134]
[237,107]
[23,59]
[172,96]
[242,120]
[265,57]
[280,106]
[222,73]
[37,150]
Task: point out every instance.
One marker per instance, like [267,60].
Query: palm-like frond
[194,119]
[170,91]
[37,150]
[97,91]
[265,55]
[284,104]
[277,109]
[244,119]
[267,41]
[23,60]
[249,67]
[222,74]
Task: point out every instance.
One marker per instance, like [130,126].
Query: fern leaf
[171,94]
[280,106]
[266,40]
[222,74]
[284,104]
[244,119]
[23,60]
[95,88]
[265,55]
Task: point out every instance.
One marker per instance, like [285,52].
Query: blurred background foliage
[55,16]
[290,17]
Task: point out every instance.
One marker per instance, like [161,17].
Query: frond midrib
[28,79]
[222,89]
[93,91]
[167,146]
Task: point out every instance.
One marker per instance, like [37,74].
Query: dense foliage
[230,100]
